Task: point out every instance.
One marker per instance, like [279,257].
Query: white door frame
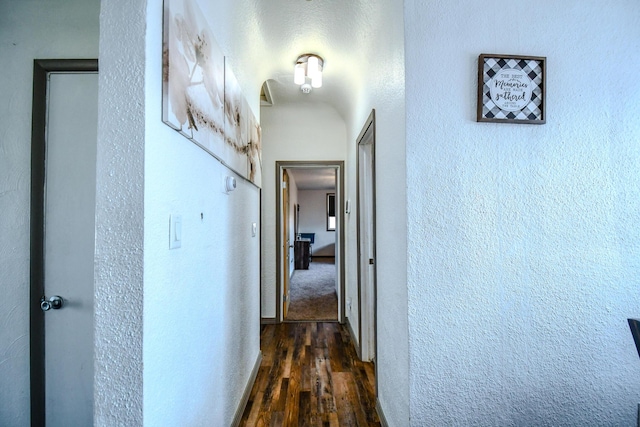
[366,232]
[41,71]
[340,248]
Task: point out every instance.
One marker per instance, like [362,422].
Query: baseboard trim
[383,420]
[356,345]
[247,392]
[268,321]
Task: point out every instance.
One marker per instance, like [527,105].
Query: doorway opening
[310,241]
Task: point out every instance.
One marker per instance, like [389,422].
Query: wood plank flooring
[311,376]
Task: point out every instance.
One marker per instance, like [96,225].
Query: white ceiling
[361,42]
[355,38]
[314,178]
[332,29]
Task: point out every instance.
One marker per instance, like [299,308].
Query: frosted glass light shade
[312,66]
[298,74]
[308,67]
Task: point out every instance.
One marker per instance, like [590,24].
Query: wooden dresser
[302,253]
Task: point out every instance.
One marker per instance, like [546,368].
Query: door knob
[55,302]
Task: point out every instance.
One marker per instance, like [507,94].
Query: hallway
[311,376]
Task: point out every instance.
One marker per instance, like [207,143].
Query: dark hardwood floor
[311,376]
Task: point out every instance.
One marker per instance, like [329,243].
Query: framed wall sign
[511,89]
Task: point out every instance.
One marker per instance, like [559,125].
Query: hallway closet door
[367,240]
[65,305]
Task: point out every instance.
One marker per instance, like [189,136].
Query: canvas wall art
[254,149]
[235,126]
[201,96]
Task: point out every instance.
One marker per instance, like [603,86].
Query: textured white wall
[202,311]
[202,318]
[291,132]
[383,89]
[313,219]
[54,30]
[524,245]
[120,222]
[201,302]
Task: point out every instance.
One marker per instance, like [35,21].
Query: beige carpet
[313,292]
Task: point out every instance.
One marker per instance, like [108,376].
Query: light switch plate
[175,231]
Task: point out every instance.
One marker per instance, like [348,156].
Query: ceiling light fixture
[308,66]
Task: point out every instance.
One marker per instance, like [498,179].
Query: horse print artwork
[201,97]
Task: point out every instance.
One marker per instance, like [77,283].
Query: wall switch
[175,231]
[254,229]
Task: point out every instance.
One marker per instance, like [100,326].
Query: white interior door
[366,244]
[69,239]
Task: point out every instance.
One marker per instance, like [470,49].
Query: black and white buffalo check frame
[534,67]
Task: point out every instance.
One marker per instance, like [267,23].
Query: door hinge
[370,261]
